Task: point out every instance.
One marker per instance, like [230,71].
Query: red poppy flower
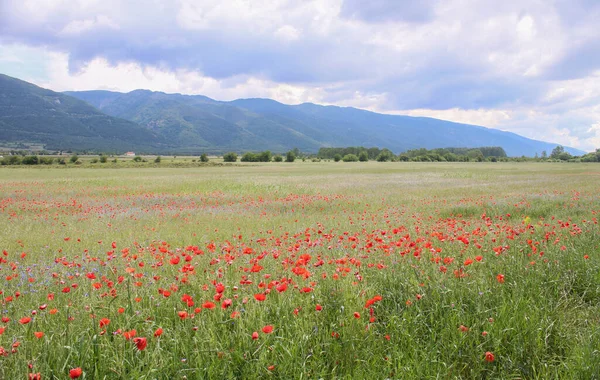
[140,343]
[267,329]
[24,320]
[158,332]
[104,322]
[500,278]
[260,297]
[489,357]
[255,335]
[208,305]
[38,334]
[75,373]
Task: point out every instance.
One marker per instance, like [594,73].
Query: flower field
[304,270]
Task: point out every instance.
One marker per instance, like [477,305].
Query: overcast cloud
[527,66]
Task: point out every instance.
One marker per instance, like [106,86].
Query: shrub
[203,157]
[363,156]
[30,160]
[11,160]
[278,158]
[350,158]
[230,157]
[103,159]
[46,160]
[290,156]
[74,158]
[157,160]
[137,158]
[337,157]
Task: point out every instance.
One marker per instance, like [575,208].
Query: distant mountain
[193,122]
[33,115]
[156,122]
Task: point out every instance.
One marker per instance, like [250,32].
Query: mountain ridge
[350,126]
[158,122]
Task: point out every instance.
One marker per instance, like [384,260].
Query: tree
[74,158]
[350,158]
[556,152]
[544,155]
[265,156]
[230,157]
[337,157]
[363,156]
[103,159]
[30,160]
[249,157]
[157,160]
[290,156]
[278,158]
[385,155]
[203,157]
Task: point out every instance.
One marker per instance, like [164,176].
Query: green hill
[32,115]
[147,121]
[193,122]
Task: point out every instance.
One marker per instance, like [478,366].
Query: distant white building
[130,154]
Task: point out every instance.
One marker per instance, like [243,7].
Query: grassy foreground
[305,270]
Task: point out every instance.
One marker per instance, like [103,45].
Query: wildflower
[34,376]
[140,343]
[24,320]
[104,322]
[75,373]
[260,297]
[255,335]
[489,357]
[267,329]
[500,278]
[158,332]
[318,307]
[356,314]
[38,334]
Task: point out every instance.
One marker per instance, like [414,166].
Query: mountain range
[156,122]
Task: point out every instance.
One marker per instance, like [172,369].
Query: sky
[527,66]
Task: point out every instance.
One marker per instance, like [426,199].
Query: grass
[430,239]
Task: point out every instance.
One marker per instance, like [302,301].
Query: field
[304,270]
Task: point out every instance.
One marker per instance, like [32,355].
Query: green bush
[30,160]
[157,160]
[203,157]
[230,157]
[103,159]
[74,158]
[278,158]
[46,160]
[350,158]
[290,156]
[363,156]
[337,157]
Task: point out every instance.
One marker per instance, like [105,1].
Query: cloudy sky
[526,66]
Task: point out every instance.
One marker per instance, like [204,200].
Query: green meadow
[301,270]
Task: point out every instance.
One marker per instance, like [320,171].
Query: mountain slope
[157,122]
[193,122]
[30,114]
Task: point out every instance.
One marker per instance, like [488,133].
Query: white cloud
[479,62]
